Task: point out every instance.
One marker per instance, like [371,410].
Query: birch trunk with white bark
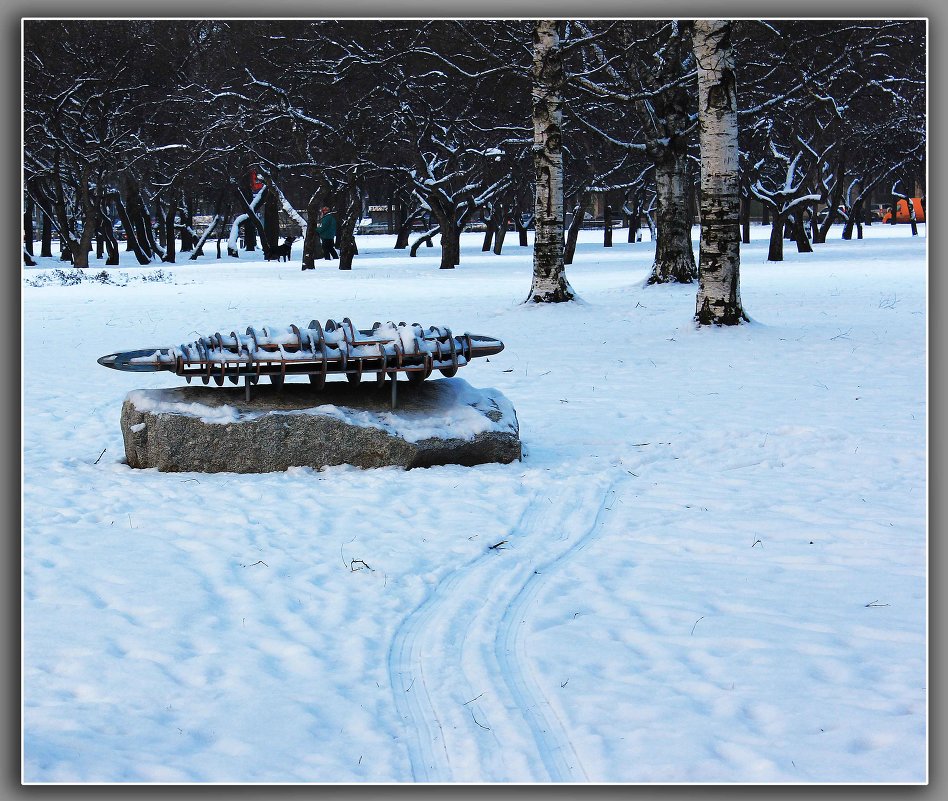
[719,297]
[549,283]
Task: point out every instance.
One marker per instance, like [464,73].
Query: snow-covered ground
[715,558]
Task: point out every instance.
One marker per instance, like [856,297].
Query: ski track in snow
[466,639]
[715,567]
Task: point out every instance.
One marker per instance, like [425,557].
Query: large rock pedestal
[215,429]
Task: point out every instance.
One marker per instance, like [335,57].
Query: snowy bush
[75,276]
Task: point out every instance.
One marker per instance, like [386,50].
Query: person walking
[327,233]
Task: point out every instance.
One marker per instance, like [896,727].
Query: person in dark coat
[327,233]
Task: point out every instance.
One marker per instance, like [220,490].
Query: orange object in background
[902,212]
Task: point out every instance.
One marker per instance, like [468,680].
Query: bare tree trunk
[131,235]
[775,246]
[607,229]
[857,213]
[549,284]
[271,224]
[345,234]
[491,225]
[312,244]
[521,225]
[501,228]
[674,257]
[799,232]
[107,236]
[450,237]
[745,216]
[913,220]
[28,224]
[137,226]
[222,228]
[719,297]
[46,235]
[575,224]
[406,218]
[170,236]
[250,233]
[450,247]
[425,239]
[188,237]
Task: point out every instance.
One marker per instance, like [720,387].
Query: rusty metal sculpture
[316,351]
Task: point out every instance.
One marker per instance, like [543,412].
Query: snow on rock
[445,421]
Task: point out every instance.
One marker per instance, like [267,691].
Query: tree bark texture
[775,246]
[110,243]
[521,225]
[490,221]
[575,224]
[271,223]
[719,298]
[46,235]
[345,234]
[800,233]
[501,229]
[674,257]
[171,214]
[28,224]
[549,284]
[312,244]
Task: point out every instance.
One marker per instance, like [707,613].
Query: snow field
[715,561]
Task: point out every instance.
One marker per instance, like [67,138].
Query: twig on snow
[100,455]
[341,554]
[696,623]
[477,721]
[497,546]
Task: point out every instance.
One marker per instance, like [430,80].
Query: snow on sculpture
[316,351]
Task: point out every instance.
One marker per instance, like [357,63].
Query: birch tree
[719,296]
[549,283]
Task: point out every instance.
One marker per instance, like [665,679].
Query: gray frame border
[10,398]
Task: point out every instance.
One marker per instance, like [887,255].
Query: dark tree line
[151,122]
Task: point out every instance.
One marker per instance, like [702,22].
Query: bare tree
[549,283]
[719,295]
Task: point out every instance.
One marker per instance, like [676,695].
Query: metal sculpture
[316,351]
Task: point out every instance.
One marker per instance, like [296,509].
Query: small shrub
[158,276]
[76,276]
[71,278]
[102,277]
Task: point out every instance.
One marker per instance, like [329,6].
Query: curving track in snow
[462,680]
